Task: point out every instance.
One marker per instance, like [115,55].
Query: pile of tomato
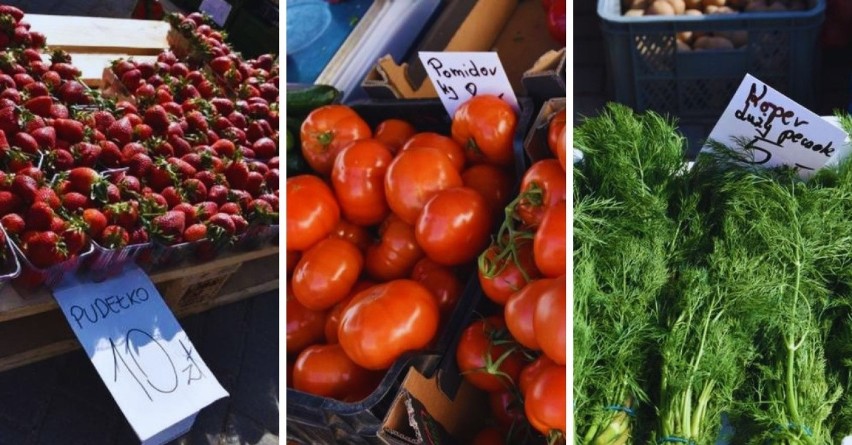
[386,231]
[518,353]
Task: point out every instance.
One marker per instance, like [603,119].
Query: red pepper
[556,20]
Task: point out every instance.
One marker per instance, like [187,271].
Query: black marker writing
[465,71]
[102,308]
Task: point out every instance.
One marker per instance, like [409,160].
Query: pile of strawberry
[179,162]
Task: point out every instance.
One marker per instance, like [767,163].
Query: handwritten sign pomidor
[778,131]
[458,76]
[140,351]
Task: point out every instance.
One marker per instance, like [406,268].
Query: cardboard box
[517,30]
[421,414]
[535,144]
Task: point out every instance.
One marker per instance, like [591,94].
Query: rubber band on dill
[675,439]
[627,410]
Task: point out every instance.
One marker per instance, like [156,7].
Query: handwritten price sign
[458,76]
[140,351]
[777,130]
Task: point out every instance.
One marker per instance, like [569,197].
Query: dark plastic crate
[649,73]
[313,420]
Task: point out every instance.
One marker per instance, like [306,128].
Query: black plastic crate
[314,420]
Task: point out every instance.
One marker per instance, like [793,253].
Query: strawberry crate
[255,236]
[104,263]
[196,288]
[32,277]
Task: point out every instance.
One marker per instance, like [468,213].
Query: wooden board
[101,35]
[47,334]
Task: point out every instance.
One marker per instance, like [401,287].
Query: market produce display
[712,302]
[386,229]
[174,161]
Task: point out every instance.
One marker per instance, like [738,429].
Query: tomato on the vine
[493,183]
[443,143]
[545,401]
[485,127]
[549,320]
[520,310]
[386,320]
[543,186]
[441,281]
[549,244]
[304,326]
[326,273]
[394,133]
[454,226]
[326,131]
[358,177]
[312,211]
[326,371]
[414,177]
[486,356]
[396,253]
[502,275]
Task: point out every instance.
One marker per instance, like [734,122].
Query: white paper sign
[217,9]
[458,76]
[778,131]
[140,351]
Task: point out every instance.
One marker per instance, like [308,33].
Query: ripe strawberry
[240,224]
[114,237]
[221,64]
[271,199]
[121,131]
[269,92]
[246,152]
[160,147]
[237,174]
[189,211]
[57,224]
[66,70]
[26,143]
[180,145]
[271,179]
[25,187]
[47,195]
[131,79]
[59,111]
[9,202]
[113,193]
[218,193]
[86,154]
[45,137]
[139,165]
[44,249]
[204,210]
[139,235]
[223,106]
[169,226]
[95,221]
[207,177]
[17,160]
[69,130]
[195,232]
[124,214]
[110,154]
[265,148]
[224,148]
[142,132]
[83,180]
[75,236]
[33,172]
[173,196]
[39,105]
[179,69]
[73,93]
[238,119]
[73,201]
[157,118]
[129,186]
[127,108]
[39,216]
[254,183]
[241,197]
[16,13]
[224,221]
[13,223]
[159,176]
[230,208]
[196,121]
[182,168]
[130,149]
[194,190]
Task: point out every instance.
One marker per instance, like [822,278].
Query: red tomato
[531,372]
[560,148]
[312,211]
[326,131]
[441,281]
[479,358]
[506,407]
[500,277]
[520,311]
[414,177]
[384,321]
[444,144]
[332,318]
[493,183]
[454,226]
[543,186]
[304,326]
[554,129]
[325,370]
[394,133]
[485,127]
[292,258]
[396,253]
[355,234]
[326,273]
[550,319]
[549,243]
[358,177]
[489,436]
[545,401]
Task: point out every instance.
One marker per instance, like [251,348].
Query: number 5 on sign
[141,353]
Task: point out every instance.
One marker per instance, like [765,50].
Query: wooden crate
[197,288]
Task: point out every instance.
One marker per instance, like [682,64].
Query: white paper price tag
[458,76]
[140,351]
[777,130]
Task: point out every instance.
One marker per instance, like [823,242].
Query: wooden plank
[44,335]
[15,303]
[77,34]
[92,65]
